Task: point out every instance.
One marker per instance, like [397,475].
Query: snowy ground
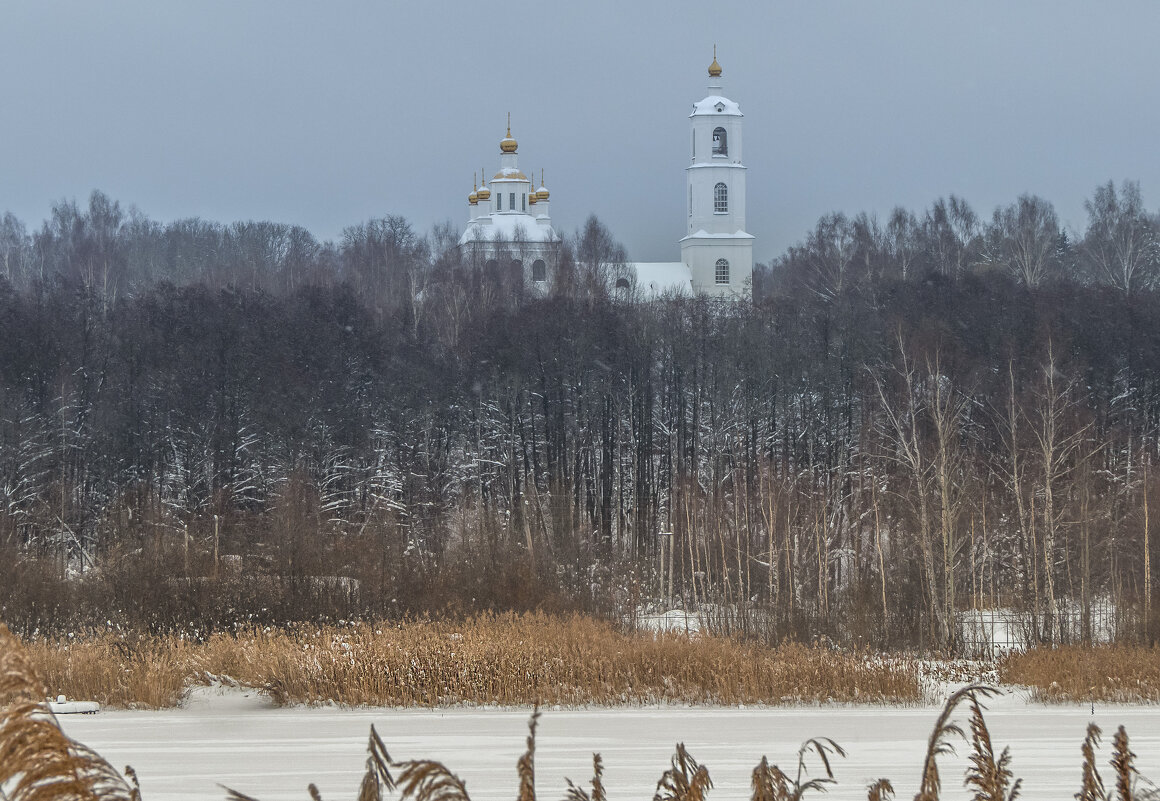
[237,739]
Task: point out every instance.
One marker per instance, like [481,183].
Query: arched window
[622,283]
[720,142]
[499,201]
[720,199]
[539,271]
[517,265]
[722,271]
[490,266]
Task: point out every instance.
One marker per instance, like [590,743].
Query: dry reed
[1115,673]
[502,659]
[37,761]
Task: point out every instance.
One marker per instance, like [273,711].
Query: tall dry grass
[37,761]
[1118,673]
[134,672]
[503,659]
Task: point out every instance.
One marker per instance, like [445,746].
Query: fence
[985,633]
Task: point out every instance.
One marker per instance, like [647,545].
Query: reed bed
[1108,673]
[39,763]
[495,659]
[147,673]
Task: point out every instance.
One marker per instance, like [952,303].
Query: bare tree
[1120,245]
[1060,438]
[1023,239]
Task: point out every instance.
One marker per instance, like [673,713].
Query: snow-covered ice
[238,739]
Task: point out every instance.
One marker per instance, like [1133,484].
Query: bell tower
[716,248]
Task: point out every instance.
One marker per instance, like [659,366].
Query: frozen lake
[244,743]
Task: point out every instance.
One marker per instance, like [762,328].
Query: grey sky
[327,114]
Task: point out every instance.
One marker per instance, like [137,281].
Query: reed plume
[1122,759]
[1093,784]
[769,783]
[574,793]
[427,780]
[940,742]
[989,777]
[685,780]
[378,775]
[526,767]
[881,790]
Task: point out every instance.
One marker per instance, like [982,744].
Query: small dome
[484,193]
[507,144]
[509,175]
[532,199]
[473,198]
[542,193]
[714,68]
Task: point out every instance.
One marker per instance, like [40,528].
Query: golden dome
[473,198]
[542,194]
[507,144]
[509,175]
[714,68]
[484,193]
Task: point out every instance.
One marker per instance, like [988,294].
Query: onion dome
[473,198]
[484,193]
[542,193]
[714,68]
[507,144]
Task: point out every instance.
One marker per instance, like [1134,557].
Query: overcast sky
[328,114]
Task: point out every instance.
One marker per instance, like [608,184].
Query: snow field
[238,739]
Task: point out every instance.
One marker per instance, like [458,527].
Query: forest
[207,424]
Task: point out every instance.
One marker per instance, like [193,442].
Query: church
[509,224]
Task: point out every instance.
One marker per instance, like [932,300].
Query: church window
[722,272]
[499,201]
[524,201]
[539,271]
[622,283]
[512,201]
[720,199]
[720,142]
[690,201]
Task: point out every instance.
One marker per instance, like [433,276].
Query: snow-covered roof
[659,278]
[703,234]
[512,227]
[715,105]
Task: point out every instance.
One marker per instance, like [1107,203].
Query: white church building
[509,224]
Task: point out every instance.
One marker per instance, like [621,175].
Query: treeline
[911,420]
